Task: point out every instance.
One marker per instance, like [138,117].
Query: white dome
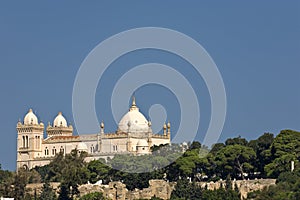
[135,120]
[82,147]
[30,118]
[60,121]
[142,143]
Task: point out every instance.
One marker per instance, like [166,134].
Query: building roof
[30,118]
[133,120]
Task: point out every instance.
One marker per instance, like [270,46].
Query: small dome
[30,118]
[142,143]
[82,147]
[60,121]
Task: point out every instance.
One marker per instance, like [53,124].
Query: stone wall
[159,188]
[244,186]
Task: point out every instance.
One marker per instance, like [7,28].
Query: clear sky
[255,44]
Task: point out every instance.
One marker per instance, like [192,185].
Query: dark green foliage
[47,192]
[228,184]
[186,190]
[287,187]
[195,145]
[220,194]
[19,183]
[234,160]
[98,170]
[263,153]
[238,140]
[155,198]
[93,196]
[216,147]
[44,172]
[269,156]
[6,180]
[64,192]
[284,149]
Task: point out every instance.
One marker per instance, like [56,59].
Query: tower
[169,130]
[99,137]
[60,127]
[29,140]
[150,133]
[165,129]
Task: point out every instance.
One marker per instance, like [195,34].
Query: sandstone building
[133,136]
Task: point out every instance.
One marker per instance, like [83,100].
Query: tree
[47,192]
[98,171]
[287,187]
[64,192]
[6,182]
[44,172]
[195,145]
[220,194]
[34,176]
[186,190]
[93,196]
[238,140]
[216,147]
[284,149]
[20,181]
[262,148]
[70,170]
[234,160]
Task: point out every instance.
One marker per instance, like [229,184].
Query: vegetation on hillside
[265,157]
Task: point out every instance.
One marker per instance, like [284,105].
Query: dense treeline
[237,158]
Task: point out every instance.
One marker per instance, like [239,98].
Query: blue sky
[256,46]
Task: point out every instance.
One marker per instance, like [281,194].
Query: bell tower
[29,140]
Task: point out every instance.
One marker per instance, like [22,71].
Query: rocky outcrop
[159,188]
[244,186]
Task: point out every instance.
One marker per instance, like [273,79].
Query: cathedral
[133,136]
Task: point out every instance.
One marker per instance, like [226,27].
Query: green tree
[71,171]
[47,192]
[238,140]
[20,181]
[189,163]
[220,194]
[284,149]
[186,190]
[98,171]
[216,147]
[234,160]
[263,152]
[93,196]
[6,182]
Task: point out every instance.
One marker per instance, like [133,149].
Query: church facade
[133,136]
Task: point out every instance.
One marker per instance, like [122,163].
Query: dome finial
[133,104]
[133,101]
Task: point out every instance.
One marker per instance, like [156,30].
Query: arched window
[38,142]
[23,137]
[92,149]
[46,151]
[53,151]
[62,150]
[27,142]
